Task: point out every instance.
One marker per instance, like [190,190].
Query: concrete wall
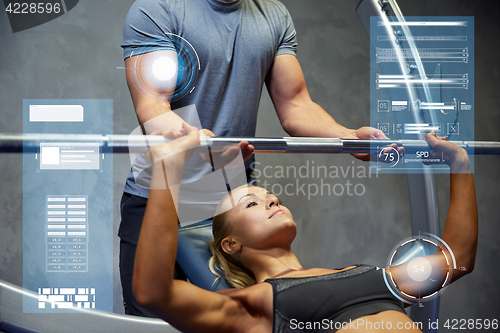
[78,55]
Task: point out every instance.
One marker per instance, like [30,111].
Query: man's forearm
[310,120]
[149,109]
[157,117]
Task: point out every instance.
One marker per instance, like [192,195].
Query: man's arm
[298,114]
[151,96]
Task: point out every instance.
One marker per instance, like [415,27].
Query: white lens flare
[164,68]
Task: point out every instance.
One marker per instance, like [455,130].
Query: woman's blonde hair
[223,264]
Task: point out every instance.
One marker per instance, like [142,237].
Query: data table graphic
[422,80]
[67,208]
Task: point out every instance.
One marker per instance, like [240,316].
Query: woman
[254,235]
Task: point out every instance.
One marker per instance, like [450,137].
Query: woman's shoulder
[257,299]
[256,290]
[311,272]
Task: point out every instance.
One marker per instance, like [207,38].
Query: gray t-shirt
[236,44]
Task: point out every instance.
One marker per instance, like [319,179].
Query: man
[241,44]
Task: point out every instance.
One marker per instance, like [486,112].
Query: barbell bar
[117,143]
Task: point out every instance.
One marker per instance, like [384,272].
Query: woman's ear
[230,245]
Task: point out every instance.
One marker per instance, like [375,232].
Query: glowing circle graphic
[419,268]
[164,68]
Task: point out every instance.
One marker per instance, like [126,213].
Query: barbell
[116,143]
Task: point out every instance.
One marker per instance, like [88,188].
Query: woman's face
[258,219]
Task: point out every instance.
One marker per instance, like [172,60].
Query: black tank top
[322,303]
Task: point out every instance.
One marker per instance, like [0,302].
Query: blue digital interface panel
[68,208]
[421,79]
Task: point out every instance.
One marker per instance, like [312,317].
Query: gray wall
[77,55]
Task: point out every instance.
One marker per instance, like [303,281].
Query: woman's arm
[183,305]
[461,227]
